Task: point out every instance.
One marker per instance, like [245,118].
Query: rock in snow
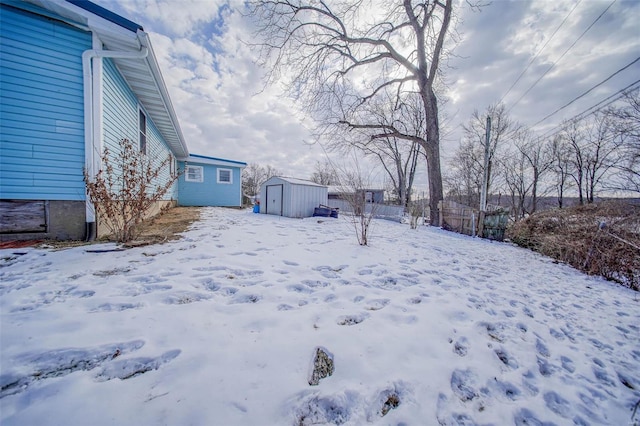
[322,366]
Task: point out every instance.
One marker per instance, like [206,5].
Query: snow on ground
[220,328]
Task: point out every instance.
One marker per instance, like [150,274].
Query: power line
[539,51]
[588,91]
[594,108]
[562,56]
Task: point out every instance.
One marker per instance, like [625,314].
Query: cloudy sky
[225,110]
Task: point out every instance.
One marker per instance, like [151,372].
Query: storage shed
[291,197]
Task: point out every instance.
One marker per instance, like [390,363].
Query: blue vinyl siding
[120,113]
[210,192]
[42,108]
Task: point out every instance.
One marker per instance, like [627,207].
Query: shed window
[194,174]
[225,176]
[142,124]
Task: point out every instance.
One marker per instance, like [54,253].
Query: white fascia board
[212,162]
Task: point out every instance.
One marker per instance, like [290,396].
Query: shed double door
[274,199]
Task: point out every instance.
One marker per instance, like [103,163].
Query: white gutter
[92,136]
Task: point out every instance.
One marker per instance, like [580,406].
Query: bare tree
[464,179]
[503,130]
[626,121]
[324,173]
[603,147]
[398,157]
[539,160]
[518,182]
[561,157]
[572,139]
[340,57]
[255,175]
[594,147]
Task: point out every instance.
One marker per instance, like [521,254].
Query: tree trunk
[435,182]
[432,152]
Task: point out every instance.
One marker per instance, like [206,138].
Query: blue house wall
[120,115]
[209,192]
[41,113]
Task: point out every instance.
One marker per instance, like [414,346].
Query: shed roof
[143,75]
[296,181]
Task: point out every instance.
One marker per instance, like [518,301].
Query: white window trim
[143,149]
[230,176]
[199,175]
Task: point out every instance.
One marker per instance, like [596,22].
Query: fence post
[440,213]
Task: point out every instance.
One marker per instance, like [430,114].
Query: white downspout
[92,136]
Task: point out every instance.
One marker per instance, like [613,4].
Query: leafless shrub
[128,184]
[599,239]
[353,185]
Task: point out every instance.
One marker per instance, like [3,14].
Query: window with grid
[194,174]
[225,176]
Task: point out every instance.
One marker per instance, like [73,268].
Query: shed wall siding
[120,121]
[41,113]
[209,192]
[298,200]
[304,199]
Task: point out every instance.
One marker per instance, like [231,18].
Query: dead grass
[599,239]
[166,226]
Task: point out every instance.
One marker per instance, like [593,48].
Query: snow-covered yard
[220,328]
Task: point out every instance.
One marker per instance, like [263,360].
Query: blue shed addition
[210,181]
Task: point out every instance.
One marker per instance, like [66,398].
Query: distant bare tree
[595,149]
[255,175]
[626,119]
[398,157]
[572,139]
[503,131]
[561,167]
[324,173]
[539,159]
[340,56]
[603,148]
[518,182]
[464,179]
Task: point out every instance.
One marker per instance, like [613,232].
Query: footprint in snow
[61,362]
[557,404]
[246,298]
[376,304]
[506,358]
[116,307]
[461,346]
[299,288]
[505,390]
[352,319]
[542,349]
[285,307]
[463,384]
[545,367]
[124,369]
[185,298]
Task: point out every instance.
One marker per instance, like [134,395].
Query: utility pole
[485,179]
